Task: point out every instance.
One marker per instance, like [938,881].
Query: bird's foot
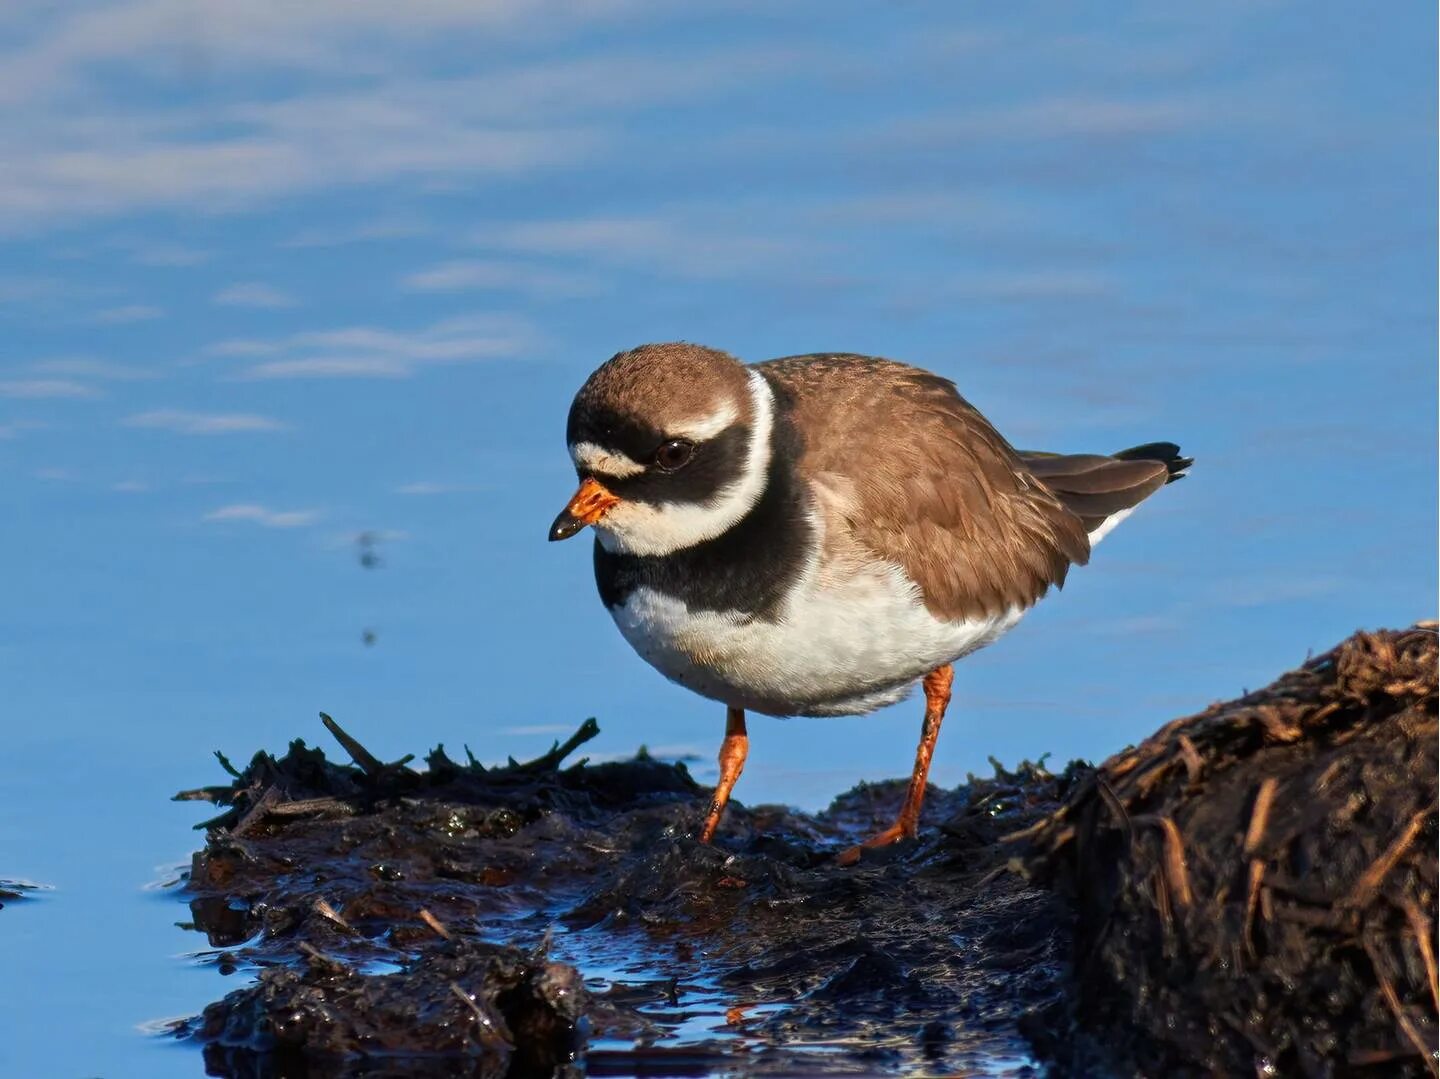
[896,832]
[706,833]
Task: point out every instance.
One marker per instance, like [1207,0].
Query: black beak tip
[564,527]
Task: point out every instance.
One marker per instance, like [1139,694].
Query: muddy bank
[549,916]
[12,891]
[1255,886]
[682,959]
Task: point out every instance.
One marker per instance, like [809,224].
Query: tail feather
[1103,490]
[1167,453]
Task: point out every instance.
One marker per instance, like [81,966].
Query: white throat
[643,529]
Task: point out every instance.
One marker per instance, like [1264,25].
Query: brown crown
[663,386]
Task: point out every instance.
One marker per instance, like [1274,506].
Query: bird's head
[671,443]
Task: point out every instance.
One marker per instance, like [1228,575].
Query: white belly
[839,648]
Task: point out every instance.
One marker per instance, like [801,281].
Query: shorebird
[813,535]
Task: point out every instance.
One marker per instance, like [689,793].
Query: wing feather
[933,486]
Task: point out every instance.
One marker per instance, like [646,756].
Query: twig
[1112,801]
[1176,875]
[559,751]
[1369,1058]
[1194,766]
[368,762]
[1373,877]
[1407,1025]
[1421,926]
[257,812]
[315,955]
[326,911]
[489,1036]
[992,876]
[1260,814]
[1277,728]
[312,952]
[434,923]
[1062,837]
[1252,897]
[1127,764]
[1162,900]
[305,807]
[1331,771]
[217,795]
[225,764]
[1254,834]
[1034,829]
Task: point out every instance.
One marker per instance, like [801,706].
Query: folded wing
[923,480]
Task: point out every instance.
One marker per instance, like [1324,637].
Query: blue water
[1109,223]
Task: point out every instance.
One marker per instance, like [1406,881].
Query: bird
[816,535]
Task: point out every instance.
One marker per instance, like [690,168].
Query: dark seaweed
[581,921]
[924,956]
[13,891]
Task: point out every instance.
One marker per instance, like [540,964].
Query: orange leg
[937,698]
[732,761]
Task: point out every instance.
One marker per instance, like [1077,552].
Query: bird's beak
[587,507]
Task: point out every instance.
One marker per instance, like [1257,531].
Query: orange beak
[587,507]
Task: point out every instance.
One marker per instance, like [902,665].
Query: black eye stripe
[713,465]
[612,431]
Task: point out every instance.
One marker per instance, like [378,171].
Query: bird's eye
[673,454]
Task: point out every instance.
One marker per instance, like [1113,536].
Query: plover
[813,535]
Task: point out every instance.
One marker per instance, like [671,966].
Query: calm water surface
[279,279]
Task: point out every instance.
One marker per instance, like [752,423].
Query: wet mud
[550,917]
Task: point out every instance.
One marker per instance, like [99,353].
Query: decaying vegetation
[1252,886]
[1256,885]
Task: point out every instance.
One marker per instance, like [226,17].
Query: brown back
[928,483]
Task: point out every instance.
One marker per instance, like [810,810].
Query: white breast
[841,646]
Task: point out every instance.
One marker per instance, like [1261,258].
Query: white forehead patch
[710,426]
[589,457]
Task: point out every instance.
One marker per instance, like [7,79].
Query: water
[1109,225]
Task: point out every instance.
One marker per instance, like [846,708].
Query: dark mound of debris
[494,1010]
[358,888]
[12,891]
[1255,886]
[1251,888]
